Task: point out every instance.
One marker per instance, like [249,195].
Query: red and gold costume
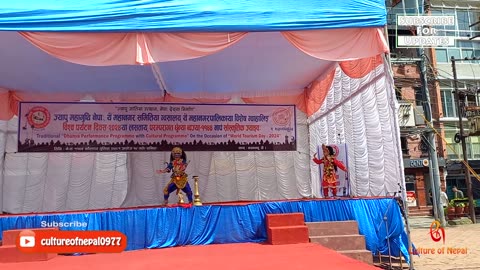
[330,165]
[179,179]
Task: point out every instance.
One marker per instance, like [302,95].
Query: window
[410,182]
[448,103]
[450,30]
[418,96]
[467,48]
[463,23]
[471,100]
[474,17]
[476,53]
[475,147]
[456,53]
[462,27]
[404,143]
[464,43]
[410,186]
[467,53]
[424,145]
[398,93]
[476,50]
[442,56]
[454,150]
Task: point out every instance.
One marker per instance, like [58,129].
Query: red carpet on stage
[211,257]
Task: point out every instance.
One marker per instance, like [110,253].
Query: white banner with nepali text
[144,127]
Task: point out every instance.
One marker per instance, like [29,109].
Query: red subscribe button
[53,241]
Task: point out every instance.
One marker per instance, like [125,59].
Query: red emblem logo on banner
[38,117]
[282,117]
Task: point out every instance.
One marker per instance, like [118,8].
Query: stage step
[10,254]
[340,242]
[348,227]
[10,237]
[283,229]
[288,235]
[422,211]
[359,255]
[290,219]
[341,236]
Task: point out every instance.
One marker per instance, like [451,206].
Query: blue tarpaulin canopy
[189,15]
[261,64]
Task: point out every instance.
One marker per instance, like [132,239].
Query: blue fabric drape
[193,15]
[168,227]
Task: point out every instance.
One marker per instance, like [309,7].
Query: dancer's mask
[177,152]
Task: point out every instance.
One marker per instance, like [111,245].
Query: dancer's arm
[340,165]
[316,160]
[167,169]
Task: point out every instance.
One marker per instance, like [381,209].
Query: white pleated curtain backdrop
[361,113]
[360,110]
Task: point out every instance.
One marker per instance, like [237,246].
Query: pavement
[461,250]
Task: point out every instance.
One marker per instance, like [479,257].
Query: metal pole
[468,179]
[388,240]
[431,178]
[432,149]
[434,171]
[402,195]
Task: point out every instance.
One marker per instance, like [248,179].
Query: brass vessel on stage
[180,198]
[196,194]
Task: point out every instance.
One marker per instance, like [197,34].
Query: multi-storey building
[466,14]
[410,94]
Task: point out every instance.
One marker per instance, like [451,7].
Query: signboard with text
[473,115]
[411,199]
[144,127]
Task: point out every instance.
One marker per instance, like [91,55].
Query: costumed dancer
[179,181]
[330,165]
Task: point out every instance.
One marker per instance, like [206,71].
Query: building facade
[466,13]
[412,101]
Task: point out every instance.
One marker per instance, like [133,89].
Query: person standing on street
[457,194]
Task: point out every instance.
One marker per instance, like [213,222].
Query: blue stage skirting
[217,224]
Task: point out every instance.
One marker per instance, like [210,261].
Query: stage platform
[250,256]
[222,223]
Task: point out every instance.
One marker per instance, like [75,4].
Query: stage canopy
[325,57]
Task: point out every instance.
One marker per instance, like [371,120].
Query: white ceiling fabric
[260,64]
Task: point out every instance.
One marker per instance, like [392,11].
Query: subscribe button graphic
[54,241]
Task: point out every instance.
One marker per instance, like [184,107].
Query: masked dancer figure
[179,181]
[330,165]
